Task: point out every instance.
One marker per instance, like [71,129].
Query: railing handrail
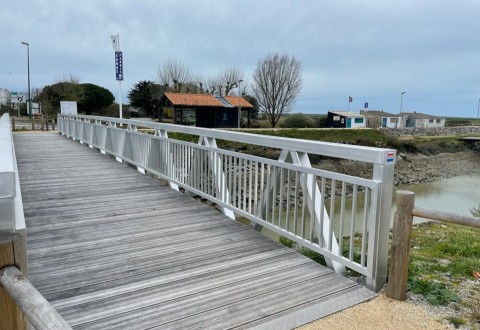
[11,206]
[402,226]
[329,149]
[34,306]
[7,162]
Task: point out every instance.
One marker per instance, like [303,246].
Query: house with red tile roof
[206,110]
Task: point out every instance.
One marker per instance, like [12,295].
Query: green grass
[442,259]
[460,121]
[446,251]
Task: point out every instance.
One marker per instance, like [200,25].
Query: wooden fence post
[46,120]
[399,257]
[13,124]
[11,317]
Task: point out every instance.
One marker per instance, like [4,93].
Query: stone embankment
[431,131]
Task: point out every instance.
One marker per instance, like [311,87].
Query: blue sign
[366,105]
[119,65]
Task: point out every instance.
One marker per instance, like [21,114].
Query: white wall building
[416,119]
[379,118]
[4,96]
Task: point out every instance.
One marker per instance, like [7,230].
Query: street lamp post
[28,74]
[401,101]
[478,110]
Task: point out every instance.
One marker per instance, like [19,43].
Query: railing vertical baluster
[312,207]
[231,172]
[366,212]
[295,205]
[250,184]
[352,223]
[321,240]
[280,205]
[342,219]
[245,178]
[274,192]
[268,193]
[240,174]
[331,214]
[304,202]
[262,190]
[255,190]
[234,192]
[287,211]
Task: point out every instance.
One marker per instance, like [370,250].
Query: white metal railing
[343,217]
[11,207]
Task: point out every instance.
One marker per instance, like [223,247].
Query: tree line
[276,83]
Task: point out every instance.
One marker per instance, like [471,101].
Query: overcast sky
[371,50]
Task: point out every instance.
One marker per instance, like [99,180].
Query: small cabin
[345,119]
[417,119]
[380,118]
[206,110]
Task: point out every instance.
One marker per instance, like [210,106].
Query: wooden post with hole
[399,255]
[11,317]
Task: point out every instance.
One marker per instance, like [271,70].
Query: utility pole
[28,74]
[401,101]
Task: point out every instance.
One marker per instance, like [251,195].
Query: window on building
[358,120]
[430,121]
[438,121]
[336,118]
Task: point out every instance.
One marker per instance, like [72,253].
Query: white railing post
[217,174]
[379,251]
[12,219]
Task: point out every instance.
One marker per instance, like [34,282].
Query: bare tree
[211,85]
[175,75]
[69,78]
[230,78]
[278,81]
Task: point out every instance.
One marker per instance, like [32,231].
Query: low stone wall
[433,131]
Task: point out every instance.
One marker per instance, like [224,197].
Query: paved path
[111,248]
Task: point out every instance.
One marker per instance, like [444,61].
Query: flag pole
[119,86]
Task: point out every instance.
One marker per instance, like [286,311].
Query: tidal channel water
[455,195]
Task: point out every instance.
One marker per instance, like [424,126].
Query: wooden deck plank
[112,248]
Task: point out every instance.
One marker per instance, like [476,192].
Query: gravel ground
[380,313]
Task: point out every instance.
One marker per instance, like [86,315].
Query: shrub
[298,120]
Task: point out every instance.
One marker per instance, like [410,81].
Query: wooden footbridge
[112,246]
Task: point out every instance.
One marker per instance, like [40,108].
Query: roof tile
[238,101]
[201,100]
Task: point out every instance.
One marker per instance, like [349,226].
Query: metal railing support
[380,238]
[287,196]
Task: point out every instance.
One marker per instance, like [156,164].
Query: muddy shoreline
[415,168]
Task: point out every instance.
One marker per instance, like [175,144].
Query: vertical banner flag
[350,99]
[119,65]
[366,105]
[115,43]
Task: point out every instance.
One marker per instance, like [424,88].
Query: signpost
[118,69]
[16,99]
